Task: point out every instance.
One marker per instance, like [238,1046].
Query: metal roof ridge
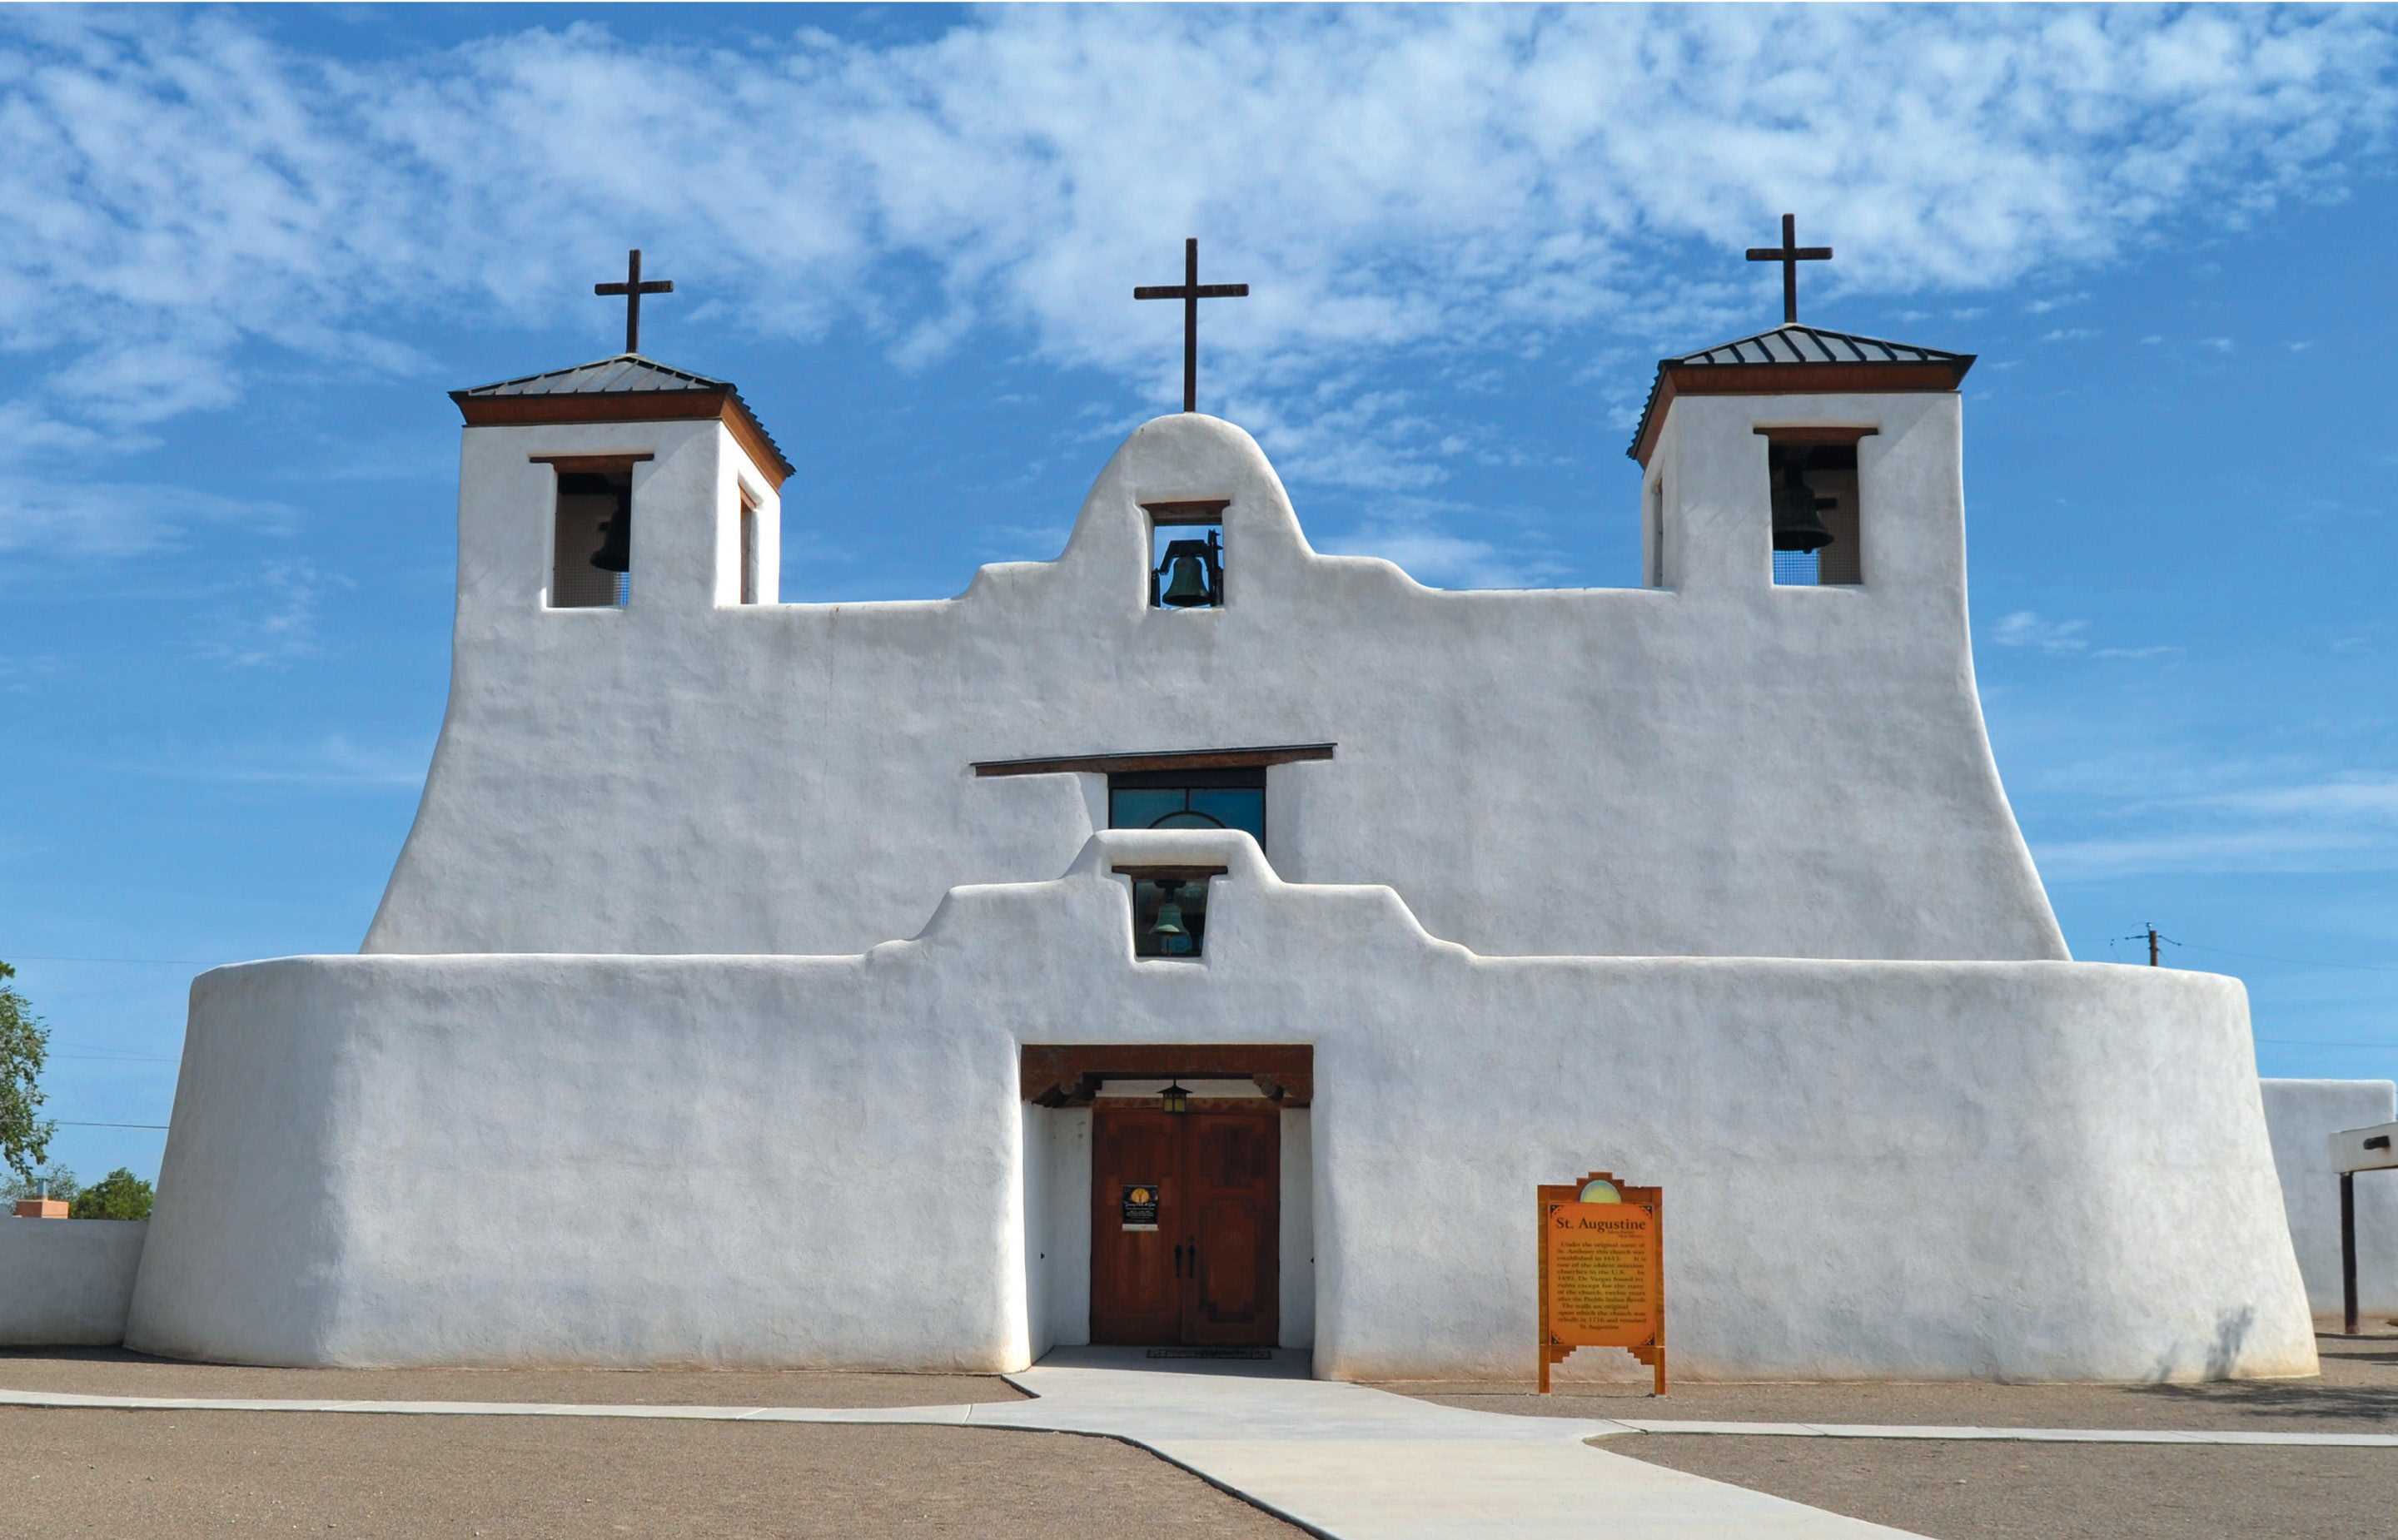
[624,363]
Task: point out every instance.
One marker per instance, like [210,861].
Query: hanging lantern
[1795,526]
[1176,1098]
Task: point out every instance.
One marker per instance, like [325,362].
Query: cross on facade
[1790,254]
[1190,291]
[632,289]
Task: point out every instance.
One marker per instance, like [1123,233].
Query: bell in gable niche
[1795,526]
[1186,579]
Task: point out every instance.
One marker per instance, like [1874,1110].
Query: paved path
[1341,1460]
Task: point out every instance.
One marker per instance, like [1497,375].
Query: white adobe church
[1217,944]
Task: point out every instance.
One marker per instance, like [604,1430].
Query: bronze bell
[1189,568]
[1796,527]
[615,552]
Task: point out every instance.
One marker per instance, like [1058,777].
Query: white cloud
[273,617]
[97,520]
[2025,628]
[1385,178]
[1437,560]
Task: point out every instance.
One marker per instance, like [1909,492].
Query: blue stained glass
[1142,809]
[1236,808]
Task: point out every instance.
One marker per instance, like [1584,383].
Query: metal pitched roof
[628,373]
[1807,351]
[585,391]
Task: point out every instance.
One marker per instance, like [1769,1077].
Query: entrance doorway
[1186,1228]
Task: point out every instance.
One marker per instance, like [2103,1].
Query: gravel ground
[2054,1492]
[172,1475]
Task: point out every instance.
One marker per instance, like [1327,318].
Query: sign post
[1602,1271]
[2353,1150]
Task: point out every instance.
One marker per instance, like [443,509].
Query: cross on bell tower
[1790,254]
[1190,291]
[632,289]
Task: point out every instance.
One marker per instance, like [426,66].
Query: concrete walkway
[1340,1460]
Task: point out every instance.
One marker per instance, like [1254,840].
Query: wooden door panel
[1232,1194]
[1135,1293]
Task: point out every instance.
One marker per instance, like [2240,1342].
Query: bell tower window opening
[592,534]
[1233,798]
[1817,528]
[1186,554]
[1652,536]
[748,550]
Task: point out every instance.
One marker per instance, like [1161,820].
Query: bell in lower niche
[1168,927]
[1795,526]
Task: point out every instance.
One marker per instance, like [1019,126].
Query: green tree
[119,1195]
[24,1047]
[59,1182]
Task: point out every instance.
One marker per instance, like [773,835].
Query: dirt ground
[1956,1491]
[172,1475]
[111,1372]
[154,1475]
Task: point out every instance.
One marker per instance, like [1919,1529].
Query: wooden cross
[1790,254]
[1190,291]
[632,289]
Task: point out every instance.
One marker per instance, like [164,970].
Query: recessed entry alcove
[1169,1193]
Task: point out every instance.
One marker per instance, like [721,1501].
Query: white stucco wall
[67,1282]
[1718,768]
[2302,1115]
[2024,1170]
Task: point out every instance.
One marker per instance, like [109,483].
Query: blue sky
[250,249]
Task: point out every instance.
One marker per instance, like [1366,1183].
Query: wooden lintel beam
[1164,760]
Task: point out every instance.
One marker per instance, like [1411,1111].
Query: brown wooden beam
[1116,764]
[1070,1074]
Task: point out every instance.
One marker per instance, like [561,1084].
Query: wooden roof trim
[1155,873]
[1815,432]
[1675,380]
[624,462]
[1070,1074]
[1116,764]
[678,406]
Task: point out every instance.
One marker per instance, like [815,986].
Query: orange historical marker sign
[1602,1271]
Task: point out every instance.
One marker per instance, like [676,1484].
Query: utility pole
[2152,946]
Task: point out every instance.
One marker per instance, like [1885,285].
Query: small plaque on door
[1140,1205]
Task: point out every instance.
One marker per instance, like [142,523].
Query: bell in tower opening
[1815,525]
[593,551]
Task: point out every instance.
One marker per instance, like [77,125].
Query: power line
[71,1123]
[2316,1042]
[2301,962]
[2153,937]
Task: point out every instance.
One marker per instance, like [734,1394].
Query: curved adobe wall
[2033,1171]
[1720,768]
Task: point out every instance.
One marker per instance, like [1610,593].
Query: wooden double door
[1186,1228]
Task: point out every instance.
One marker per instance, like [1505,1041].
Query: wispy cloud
[333,762]
[198,201]
[1438,559]
[2190,824]
[2025,628]
[72,520]
[273,617]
